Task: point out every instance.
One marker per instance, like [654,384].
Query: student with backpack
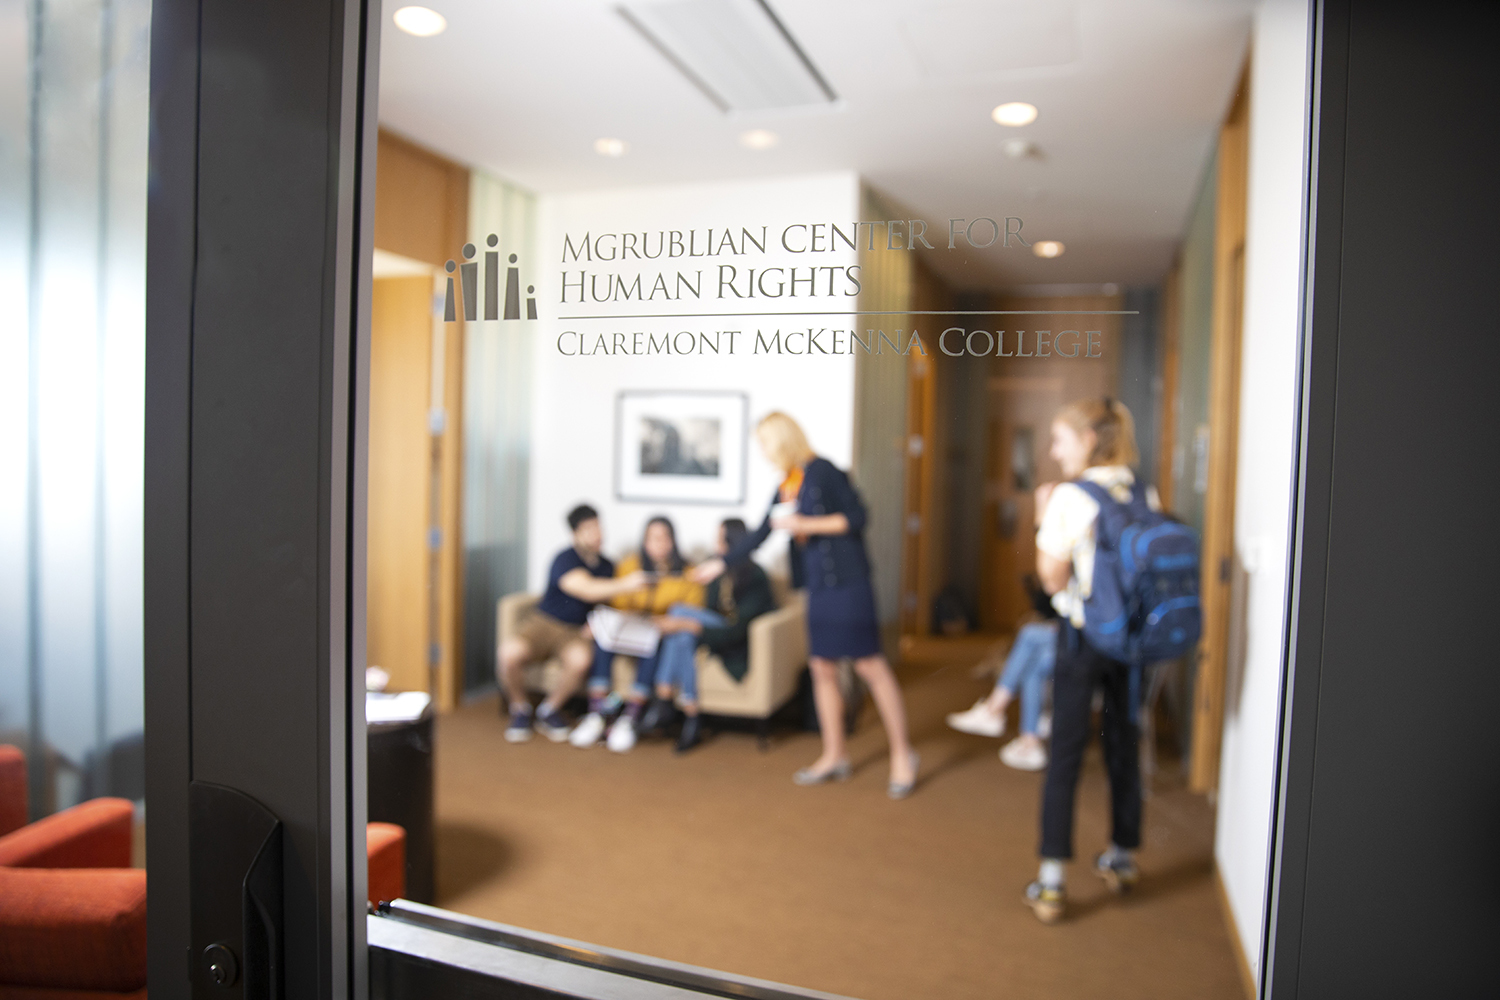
[1124,579]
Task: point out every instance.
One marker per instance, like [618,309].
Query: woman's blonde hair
[1113,427]
[785,444]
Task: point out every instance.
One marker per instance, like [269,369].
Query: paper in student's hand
[625,634]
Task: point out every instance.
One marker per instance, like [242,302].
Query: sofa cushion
[74,929]
[95,834]
[12,788]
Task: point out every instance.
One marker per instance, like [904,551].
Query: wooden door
[1023,394]
[1224,407]
[400,480]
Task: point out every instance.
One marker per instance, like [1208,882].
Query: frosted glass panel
[73,168]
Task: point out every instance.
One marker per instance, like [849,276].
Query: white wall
[1278,120]
[574,397]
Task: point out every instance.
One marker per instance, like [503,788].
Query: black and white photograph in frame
[681,447]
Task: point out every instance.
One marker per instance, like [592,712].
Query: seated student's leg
[686,667]
[622,734]
[675,658]
[601,681]
[1018,665]
[1033,644]
[1034,686]
[578,657]
[511,659]
[703,615]
[646,670]
[1033,694]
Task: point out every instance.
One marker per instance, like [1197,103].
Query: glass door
[657,498]
[641,270]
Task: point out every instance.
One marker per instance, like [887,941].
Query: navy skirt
[842,621]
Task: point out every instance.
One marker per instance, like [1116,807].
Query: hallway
[716,859]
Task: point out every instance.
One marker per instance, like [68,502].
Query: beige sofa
[778,653]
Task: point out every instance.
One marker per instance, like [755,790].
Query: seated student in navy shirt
[580,577]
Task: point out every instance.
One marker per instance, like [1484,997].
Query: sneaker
[553,726]
[621,735]
[1044,725]
[1118,872]
[1046,902]
[1024,755]
[588,732]
[519,730]
[978,721]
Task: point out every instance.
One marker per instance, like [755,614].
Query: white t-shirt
[1067,531]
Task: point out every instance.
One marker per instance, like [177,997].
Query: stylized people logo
[469,287]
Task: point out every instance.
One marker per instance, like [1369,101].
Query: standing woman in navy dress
[828,558]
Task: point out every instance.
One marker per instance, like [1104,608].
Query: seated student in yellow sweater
[669,586]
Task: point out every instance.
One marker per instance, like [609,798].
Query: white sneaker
[621,734]
[1044,726]
[587,732]
[1024,755]
[978,721]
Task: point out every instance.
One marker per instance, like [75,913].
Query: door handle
[235,860]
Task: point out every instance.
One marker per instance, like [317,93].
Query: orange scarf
[791,485]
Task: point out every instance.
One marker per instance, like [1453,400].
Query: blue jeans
[601,674]
[675,665]
[1028,669]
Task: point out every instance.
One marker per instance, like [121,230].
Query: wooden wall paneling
[1171,408]
[400,373]
[421,201]
[921,386]
[422,212]
[1218,520]
[929,293]
[881,381]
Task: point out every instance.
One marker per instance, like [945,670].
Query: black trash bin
[401,791]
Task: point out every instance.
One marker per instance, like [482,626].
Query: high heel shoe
[901,789]
[838,772]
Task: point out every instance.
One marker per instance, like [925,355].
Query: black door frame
[258,261]
[261,204]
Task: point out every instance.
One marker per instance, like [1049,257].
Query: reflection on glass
[924,232]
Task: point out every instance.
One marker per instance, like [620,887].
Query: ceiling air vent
[736,51]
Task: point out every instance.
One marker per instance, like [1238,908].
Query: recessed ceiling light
[1015,114]
[1048,248]
[610,147]
[424,22]
[759,138]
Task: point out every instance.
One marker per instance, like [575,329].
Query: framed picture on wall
[681,447]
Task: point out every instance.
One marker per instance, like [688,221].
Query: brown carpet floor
[717,859]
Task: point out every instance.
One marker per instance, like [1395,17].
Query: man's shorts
[545,636]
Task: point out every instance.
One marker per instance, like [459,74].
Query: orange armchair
[73,911]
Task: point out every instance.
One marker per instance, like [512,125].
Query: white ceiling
[1131,93]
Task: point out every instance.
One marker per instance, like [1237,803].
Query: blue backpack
[1144,603]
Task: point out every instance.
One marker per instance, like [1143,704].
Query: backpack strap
[1099,494]
[1107,525]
